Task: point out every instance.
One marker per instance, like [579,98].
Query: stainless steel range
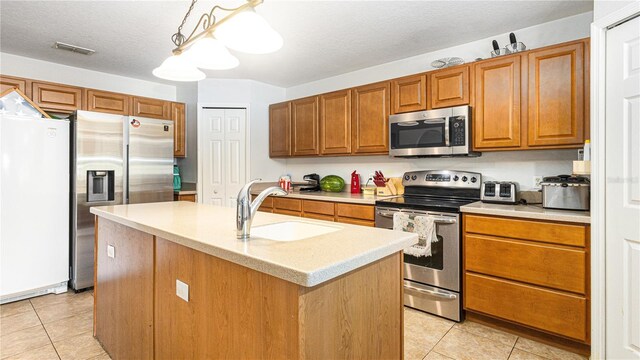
[433,283]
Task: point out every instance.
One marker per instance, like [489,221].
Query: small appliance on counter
[565,192]
[499,192]
[313,182]
[355,182]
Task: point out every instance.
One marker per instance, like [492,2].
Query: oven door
[442,269]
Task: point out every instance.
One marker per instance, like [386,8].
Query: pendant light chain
[178,38]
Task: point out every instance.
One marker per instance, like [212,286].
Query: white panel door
[224,156]
[623,191]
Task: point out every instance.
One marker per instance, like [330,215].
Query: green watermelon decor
[332,183]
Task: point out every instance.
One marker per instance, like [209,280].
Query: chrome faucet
[246,209]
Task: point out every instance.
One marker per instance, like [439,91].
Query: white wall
[187,93]
[566,29]
[21,66]
[258,95]
[520,166]
[604,8]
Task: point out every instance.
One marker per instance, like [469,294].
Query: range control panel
[443,178]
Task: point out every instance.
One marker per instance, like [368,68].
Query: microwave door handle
[447,142]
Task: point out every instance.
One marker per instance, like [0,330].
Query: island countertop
[307,262]
[536,212]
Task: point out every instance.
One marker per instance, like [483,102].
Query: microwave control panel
[457,129]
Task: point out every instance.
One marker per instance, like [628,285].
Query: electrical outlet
[111,251]
[537,180]
[182,290]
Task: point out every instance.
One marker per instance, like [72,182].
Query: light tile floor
[60,327]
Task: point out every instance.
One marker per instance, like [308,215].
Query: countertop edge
[571,218]
[306,279]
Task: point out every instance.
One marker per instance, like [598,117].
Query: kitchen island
[172,281]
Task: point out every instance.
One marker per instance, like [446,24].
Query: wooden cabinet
[355,214]
[151,108]
[370,119]
[9,82]
[185,197]
[267,205]
[124,291]
[280,129]
[107,102]
[497,113]
[335,123]
[56,97]
[304,126]
[347,213]
[508,268]
[409,94]
[449,87]
[178,116]
[287,206]
[556,78]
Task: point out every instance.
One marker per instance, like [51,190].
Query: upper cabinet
[280,130]
[409,94]
[556,77]
[104,101]
[9,82]
[56,97]
[335,123]
[497,114]
[370,118]
[151,108]
[178,116]
[449,87]
[304,126]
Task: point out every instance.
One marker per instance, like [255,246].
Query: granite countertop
[344,196]
[186,189]
[536,212]
[307,262]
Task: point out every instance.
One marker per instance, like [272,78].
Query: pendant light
[178,68]
[250,33]
[210,53]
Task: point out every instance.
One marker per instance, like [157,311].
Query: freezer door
[34,205]
[97,149]
[150,165]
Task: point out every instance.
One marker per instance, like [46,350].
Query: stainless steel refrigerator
[115,160]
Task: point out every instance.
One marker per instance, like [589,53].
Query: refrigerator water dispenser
[100,185]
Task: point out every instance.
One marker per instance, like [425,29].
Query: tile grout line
[45,330]
[438,342]
[513,347]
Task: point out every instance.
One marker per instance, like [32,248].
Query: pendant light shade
[178,68]
[209,53]
[248,32]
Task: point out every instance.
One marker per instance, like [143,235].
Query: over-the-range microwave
[440,132]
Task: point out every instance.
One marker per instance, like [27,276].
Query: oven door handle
[387,214]
[441,220]
[432,293]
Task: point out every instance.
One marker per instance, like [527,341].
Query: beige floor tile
[22,341]
[436,356]
[53,299]
[464,345]
[518,354]
[46,352]
[103,356]
[9,324]
[79,347]
[15,308]
[546,351]
[424,329]
[488,332]
[414,350]
[67,308]
[70,326]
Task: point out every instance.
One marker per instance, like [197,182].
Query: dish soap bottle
[177,182]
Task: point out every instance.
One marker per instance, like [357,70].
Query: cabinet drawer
[362,212]
[318,216]
[353,221]
[287,212]
[556,233]
[319,207]
[534,263]
[287,204]
[267,205]
[546,310]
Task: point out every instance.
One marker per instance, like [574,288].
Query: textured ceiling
[321,38]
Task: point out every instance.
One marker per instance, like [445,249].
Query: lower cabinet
[347,213]
[185,197]
[537,279]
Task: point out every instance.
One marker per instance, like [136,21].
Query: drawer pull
[432,293]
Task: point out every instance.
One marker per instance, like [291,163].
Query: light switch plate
[111,251]
[182,290]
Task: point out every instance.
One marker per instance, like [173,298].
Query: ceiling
[321,38]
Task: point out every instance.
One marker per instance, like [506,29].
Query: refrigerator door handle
[126,175]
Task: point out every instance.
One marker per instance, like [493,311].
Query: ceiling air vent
[73,48]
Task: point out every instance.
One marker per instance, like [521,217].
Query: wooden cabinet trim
[178,115]
[449,87]
[409,93]
[335,123]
